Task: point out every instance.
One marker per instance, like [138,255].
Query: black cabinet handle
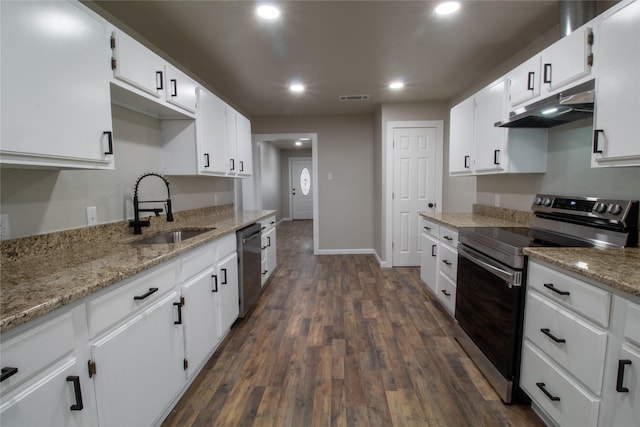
[174,87]
[446,293]
[596,145]
[215,283]
[78,406]
[8,372]
[224,271]
[542,386]
[241,166]
[447,262]
[272,222]
[159,80]
[265,272]
[557,291]
[550,335]
[233,164]
[146,294]
[268,241]
[109,140]
[427,228]
[448,238]
[546,78]
[466,162]
[530,80]
[496,154]
[433,250]
[179,305]
[206,158]
[620,381]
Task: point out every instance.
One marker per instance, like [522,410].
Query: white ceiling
[336,48]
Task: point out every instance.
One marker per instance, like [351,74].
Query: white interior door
[414,189]
[301,189]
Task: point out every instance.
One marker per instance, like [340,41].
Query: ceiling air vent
[353,97]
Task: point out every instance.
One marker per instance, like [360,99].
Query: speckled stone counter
[616,268]
[39,276]
[482,216]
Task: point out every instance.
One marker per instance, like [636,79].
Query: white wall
[271,178]
[569,172]
[42,201]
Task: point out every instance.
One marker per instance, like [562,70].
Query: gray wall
[345,149]
[42,201]
[271,178]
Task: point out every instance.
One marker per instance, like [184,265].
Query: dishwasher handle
[512,277]
[251,236]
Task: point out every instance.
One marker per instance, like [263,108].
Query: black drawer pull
[206,157]
[224,271]
[427,228]
[550,335]
[145,295]
[265,272]
[553,288]
[179,305]
[619,387]
[8,372]
[448,238]
[215,283]
[272,222]
[542,387]
[110,140]
[447,262]
[446,293]
[78,406]
[433,250]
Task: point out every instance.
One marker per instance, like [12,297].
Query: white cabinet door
[181,89]
[244,151]
[212,137]
[490,141]
[136,65]
[200,316]
[461,138]
[232,141]
[56,106]
[429,261]
[139,366]
[229,297]
[49,400]
[270,248]
[524,82]
[626,401]
[567,61]
[616,125]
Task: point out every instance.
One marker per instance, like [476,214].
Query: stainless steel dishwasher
[249,258]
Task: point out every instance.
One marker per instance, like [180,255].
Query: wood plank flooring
[338,341]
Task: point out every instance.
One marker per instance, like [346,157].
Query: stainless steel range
[492,270]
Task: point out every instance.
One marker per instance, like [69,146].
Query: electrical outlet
[5,230]
[92,215]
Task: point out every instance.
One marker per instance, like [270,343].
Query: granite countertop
[616,268]
[457,220]
[33,286]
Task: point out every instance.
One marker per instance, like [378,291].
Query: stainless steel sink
[173,236]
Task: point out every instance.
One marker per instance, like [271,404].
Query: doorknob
[294,191]
[432,205]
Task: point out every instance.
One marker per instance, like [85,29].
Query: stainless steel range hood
[567,106]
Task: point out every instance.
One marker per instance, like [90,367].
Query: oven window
[487,309]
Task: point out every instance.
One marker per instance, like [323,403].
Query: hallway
[337,341]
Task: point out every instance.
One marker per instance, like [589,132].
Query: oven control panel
[593,207]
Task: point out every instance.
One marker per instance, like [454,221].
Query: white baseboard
[383,264]
[344,252]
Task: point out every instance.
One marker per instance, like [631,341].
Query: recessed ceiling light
[447,8]
[298,143]
[296,87]
[268,11]
[396,85]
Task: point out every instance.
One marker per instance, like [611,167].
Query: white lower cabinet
[429,260]
[139,365]
[269,259]
[229,297]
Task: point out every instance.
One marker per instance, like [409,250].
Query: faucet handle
[168,210]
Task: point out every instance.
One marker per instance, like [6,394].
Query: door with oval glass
[300,188]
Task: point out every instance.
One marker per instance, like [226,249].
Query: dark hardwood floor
[338,341]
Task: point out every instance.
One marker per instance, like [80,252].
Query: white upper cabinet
[232,141]
[490,141]
[180,89]
[211,133]
[617,110]
[136,65]
[524,82]
[461,138]
[568,61]
[243,140]
[56,107]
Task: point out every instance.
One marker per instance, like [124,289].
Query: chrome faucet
[137,223]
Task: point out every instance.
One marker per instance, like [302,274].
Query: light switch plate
[92,215]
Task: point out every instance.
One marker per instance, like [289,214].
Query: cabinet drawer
[114,306]
[632,323]
[449,236]
[586,300]
[198,260]
[446,292]
[225,245]
[575,406]
[584,346]
[268,222]
[429,227]
[36,349]
[448,261]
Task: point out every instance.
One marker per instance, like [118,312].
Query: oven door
[489,308]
